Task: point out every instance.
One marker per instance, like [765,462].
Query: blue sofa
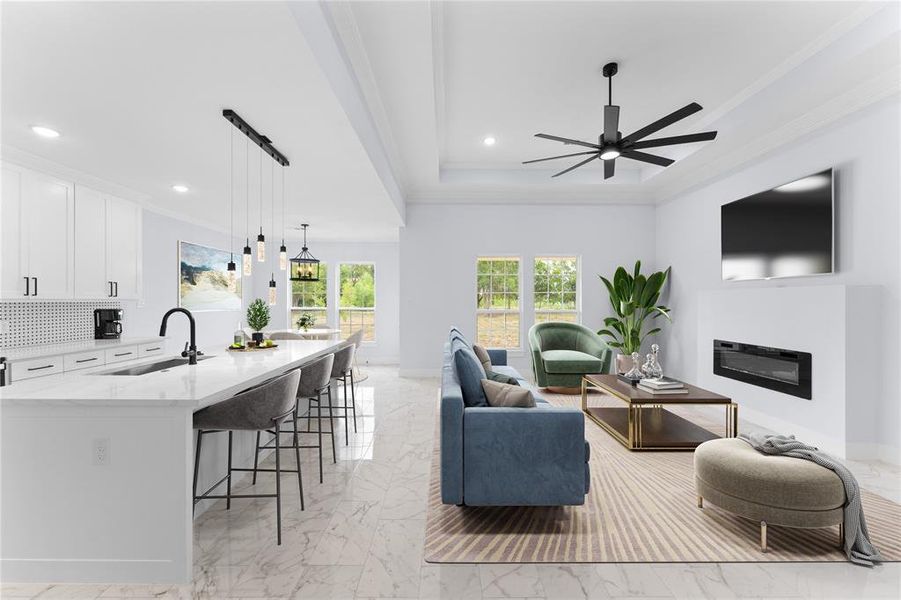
[494,456]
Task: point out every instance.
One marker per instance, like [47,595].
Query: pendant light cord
[284,211]
[261,190]
[247,188]
[272,198]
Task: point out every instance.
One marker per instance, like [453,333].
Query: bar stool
[315,379]
[342,371]
[262,408]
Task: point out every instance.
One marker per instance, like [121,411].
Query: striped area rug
[641,508]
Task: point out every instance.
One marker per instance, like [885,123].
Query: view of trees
[356,304]
[310,297]
[497,302]
[556,285]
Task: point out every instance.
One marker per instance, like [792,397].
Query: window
[310,297]
[356,302]
[497,302]
[556,288]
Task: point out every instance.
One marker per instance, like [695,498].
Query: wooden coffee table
[645,424]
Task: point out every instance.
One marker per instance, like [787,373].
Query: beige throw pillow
[483,357]
[504,394]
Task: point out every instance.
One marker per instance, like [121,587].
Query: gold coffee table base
[645,424]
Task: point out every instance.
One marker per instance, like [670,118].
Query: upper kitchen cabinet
[107,246]
[37,214]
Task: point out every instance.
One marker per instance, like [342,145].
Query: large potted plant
[258,318]
[634,300]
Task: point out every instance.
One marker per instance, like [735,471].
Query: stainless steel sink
[161,365]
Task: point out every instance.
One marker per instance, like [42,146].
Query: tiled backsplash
[35,323]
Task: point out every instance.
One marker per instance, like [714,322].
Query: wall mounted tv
[787,231]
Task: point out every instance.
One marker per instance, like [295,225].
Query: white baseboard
[96,570]
[881,452]
[419,373]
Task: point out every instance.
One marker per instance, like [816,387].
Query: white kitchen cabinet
[84,360]
[123,253]
[36,367]
[12,283]
[121,354]
[107,246]
[91,280]
[38,256]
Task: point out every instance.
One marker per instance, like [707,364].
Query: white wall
[440,244]
[386,347]
[863,149]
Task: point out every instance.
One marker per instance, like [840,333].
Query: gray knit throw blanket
[857,544]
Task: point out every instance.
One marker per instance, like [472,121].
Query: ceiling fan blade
[527,162]
[648,158]
[554,138]
[665,121]
[575,166]
[611,124]
[677,139]
[609,167]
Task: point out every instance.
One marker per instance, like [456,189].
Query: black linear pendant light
[612,145]
[261,239]
[273,295]
[247,257]
[304,266]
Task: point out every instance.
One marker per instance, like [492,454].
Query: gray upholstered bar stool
[343,371]
[262,408]
[315,379]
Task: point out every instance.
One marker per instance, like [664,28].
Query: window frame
[290,287]
[578,309]
[519,311]
[375,297]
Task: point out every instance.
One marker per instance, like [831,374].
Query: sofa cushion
[504,394]
[509,372]
[570,361]
[501,378]
[456,334]
[483,357]
[470,375]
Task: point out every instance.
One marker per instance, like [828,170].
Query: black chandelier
[304,266]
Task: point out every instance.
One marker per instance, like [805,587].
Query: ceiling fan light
[609,154]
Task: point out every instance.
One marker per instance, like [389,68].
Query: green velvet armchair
[563,352]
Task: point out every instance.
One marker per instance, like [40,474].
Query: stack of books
[662,386]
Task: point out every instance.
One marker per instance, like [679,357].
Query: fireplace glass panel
[763,366]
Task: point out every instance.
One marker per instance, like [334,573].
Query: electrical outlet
[4,327]
[101,452]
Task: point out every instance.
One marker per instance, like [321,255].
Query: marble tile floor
[362,535]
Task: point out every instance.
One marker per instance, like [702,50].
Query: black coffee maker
[108,323]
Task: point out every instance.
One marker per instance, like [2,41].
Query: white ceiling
[137,90]
[440,76]
[375,103]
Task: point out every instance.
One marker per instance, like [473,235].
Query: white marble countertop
[27,352]
[216,377]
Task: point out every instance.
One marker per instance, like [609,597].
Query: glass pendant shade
[273,296]
[247,259]
[232,276]
[261,247]
[283,257]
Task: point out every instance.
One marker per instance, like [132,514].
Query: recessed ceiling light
[45,132]
[181,189]
[489,141]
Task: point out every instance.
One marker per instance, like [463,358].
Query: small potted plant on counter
[634,299]
[306,321]
[257,319]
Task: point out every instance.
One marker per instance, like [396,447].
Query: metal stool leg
[256,458]
[228,483]
[353,399]
[346,433]
[278,482]
[196,467]
[319,428]
[331,424]
[297,458]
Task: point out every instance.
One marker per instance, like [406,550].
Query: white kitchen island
[67,515]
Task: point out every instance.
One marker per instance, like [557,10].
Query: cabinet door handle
[40,368]
[84,360]
[35,292]
[151,349]
[27,285]
[110,295]
[122,354]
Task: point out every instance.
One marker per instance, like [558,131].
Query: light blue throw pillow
[470,374]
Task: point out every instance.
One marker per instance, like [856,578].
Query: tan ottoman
[774,490]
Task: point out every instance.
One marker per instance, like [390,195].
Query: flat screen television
[787,231]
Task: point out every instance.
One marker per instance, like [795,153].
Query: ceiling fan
[612,145]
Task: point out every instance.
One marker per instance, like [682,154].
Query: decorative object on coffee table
[258,316]
[644,423]
[651,368]
[634,300]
